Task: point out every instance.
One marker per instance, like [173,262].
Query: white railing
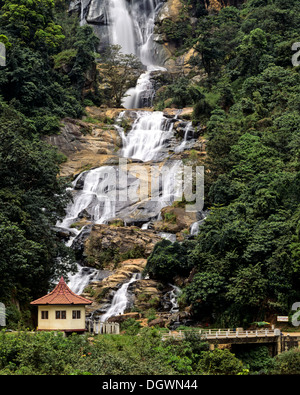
[98,327]
[223,333]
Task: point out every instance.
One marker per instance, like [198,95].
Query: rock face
[175,220]
[86,145]
[102,291]
[109,243]
[170,10]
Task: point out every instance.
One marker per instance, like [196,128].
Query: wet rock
[123,317]
[63,232]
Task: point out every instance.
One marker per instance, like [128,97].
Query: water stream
[148,136]
[120,300]
[131,25]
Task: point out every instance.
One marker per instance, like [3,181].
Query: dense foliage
[247,253]
[39,86]
[245,263]
[49,353]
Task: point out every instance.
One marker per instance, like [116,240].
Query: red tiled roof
[61,295]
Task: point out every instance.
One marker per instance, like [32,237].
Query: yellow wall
[61,324]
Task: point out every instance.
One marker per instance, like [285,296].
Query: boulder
[175,219]
[123,317]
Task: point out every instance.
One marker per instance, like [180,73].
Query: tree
[220,362]
[287,362]
[205,292]
[32,21]
[84,61]
[248,287]
[119,71]
[254,47]
[32,199]
[168,260]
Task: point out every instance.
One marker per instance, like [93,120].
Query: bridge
[275,338]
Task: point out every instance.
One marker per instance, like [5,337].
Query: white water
[131,25]
[195,227]
[143,19]
[188,131]
[122,28]
[94,199]
[194,231]
[174,293]
[147,137]
[120,300]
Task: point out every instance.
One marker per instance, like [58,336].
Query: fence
[223,333]
[98,327]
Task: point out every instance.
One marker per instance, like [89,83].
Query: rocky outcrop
[101,292]
[217,5]
[86,145]
[170,10]
[108,244]
[175,220]
[185,113]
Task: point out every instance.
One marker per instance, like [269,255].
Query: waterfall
[122,27]
[149,133]
[93,200]
[195,227]
[142,22]
[120,300]
[81,279]
[174,293]
[188,132]
[129,24]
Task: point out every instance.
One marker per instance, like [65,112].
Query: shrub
[287,362]
[221,362]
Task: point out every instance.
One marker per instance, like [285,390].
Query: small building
[61,310]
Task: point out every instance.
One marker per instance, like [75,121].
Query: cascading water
[147,137]
[195,227]
[93,198]
[130,25]
[120,300]
[122,27]
[174,294]
[143,15]
[188,134]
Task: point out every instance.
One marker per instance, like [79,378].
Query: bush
[256,358]
[131,326]
[287,362]
[220,362]
[168,260]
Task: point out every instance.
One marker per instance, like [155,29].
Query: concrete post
[279,345]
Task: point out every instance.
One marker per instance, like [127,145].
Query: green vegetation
[168,260]
[119,72]
[246,257]
[138,351]
[45,79]
[245,263]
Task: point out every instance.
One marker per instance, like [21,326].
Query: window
[44,315]
[76,314]
[60,314]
